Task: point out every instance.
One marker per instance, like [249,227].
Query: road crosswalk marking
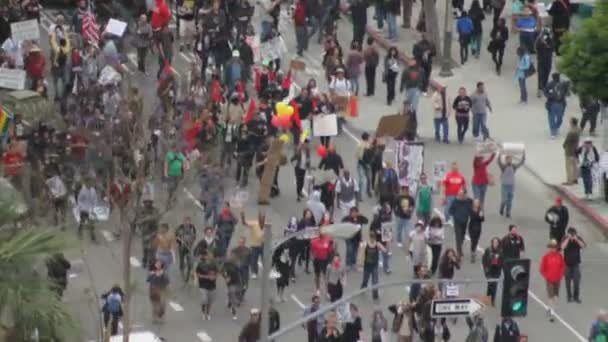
[107,235]
[203,336]
[176,307]
[134,262]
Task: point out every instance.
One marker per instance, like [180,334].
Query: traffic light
[516,273]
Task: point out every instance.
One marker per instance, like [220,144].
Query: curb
[385,44]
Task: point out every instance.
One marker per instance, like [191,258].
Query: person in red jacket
[552,268]
[35,65]
[481,177]
[161,15]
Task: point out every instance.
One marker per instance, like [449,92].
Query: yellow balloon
[289,110]
[305,135]
[281,107]
[284,137]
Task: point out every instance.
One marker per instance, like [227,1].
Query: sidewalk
[510,121]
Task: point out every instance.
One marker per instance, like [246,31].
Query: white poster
[25,30]
[12,78]
[409,159]
[116,27]
[325,125]
[387,231]
[440,168]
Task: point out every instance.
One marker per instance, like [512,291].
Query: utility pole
[266,265]
[604,118]
[446,64]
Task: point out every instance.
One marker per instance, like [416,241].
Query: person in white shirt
[347,193]
[86,202]
[339,85]
[59,193]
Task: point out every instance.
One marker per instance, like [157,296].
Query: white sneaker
[234,318]
[254,276]
[399,244]
[208,317]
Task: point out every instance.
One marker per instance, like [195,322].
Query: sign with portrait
[409,161]
[386,230]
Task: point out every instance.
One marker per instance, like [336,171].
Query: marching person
[507,182]
[492,266]
[369,260]
[552,268]
[588,157]
[572,244]
[557,217]
[112,309]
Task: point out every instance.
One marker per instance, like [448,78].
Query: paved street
[97,267]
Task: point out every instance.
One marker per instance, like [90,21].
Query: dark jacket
[411,78]
[499,35]
[560,12]
[562,218]
[492,262]
[297,158]
[507,331]
[461,210]
[393,6]
[421,48]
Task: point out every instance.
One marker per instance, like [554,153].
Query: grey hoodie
[316,206]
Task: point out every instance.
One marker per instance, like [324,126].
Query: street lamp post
[446,64]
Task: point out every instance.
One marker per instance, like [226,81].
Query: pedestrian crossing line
[203,336]
[45,24]
[300,304]
[186,57]
[176,307]
[134,262]
[107,235]
[72,275]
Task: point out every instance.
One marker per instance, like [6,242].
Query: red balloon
[285,122]
[275,121]
[321,151]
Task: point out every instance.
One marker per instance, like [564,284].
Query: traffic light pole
[298,323]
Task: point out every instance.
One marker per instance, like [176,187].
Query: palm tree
[28,302]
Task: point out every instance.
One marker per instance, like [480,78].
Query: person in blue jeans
[404,208]
[507,182]
[352,244]
[371,258]
[393,9]
[526,26]
[523,65]
[381,226]
[480,107]
[464,26]
[588,156]
[556,92]
[441,113]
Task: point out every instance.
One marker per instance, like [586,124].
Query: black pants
[459,232]
[436,254]
[141,59]
[358,32]
[325,141]
[497,13]
[591,118]
[227,151]
[334,291]
[557,38]
[462,125]
[464,41]
[544,70]
[475,234]
[497,56]
[370,79]
[242,172]
[391,78]
[491,290]
[427,68]
[300,174]
[113,324]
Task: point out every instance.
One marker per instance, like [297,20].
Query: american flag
[90,29]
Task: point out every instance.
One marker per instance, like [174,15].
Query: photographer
[572,245]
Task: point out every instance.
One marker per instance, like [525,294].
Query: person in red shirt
[321,248]
[552,268]
[120,192]
[481,177]
[452,183]
[35,65]
[161,15]
[13,163]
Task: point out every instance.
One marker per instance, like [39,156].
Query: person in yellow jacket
[61,50]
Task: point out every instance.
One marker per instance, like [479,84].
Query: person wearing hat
[234,71]
[552,268]
[557,217]
[251,330]
[35,64]
[339,85]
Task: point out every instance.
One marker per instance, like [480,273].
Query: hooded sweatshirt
[316,206]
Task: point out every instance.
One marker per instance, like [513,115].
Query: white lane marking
[203,336]
[45,24]
[186,57]
[132,57]
[107,235]
[176,307]
[127,68]
[120,326]
[350,134]
[134,262]
[300,304]
[72,275]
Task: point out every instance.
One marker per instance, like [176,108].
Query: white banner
[116,27]
[25,30]
[325,125]
[12,78]
[409,159]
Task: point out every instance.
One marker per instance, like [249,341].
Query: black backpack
[368,156]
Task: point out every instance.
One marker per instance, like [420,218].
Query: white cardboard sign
[325,125]
[116,27]
[25,30]
[12,78]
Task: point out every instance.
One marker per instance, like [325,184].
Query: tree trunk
[127,239]
[432,25]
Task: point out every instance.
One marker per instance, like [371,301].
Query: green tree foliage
[585,55]
[27,300]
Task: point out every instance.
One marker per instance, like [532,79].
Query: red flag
[90,29]
[250,111]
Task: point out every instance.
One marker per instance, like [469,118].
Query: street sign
[451,307]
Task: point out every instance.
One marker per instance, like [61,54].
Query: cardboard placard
[391,126]
[486,147]
[25,30]
[297,65]
[274,156]
[340,101]
[12,78]
[116,27]
[325,125]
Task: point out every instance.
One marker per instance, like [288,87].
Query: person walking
[465,28]
[570,145]
[492,266]
[590,108]
[507,182]
[353,63]
[352,244]
[556,92]
[57,271]
[404,208]
[544,58]
[411,83]
[461,210]
[572,244]
[251,330]
[480,104]
[369,260]
[379,327]
[391,70]
[158,281]
[435,236]
[141,41]
[358,14]
[499,36]
[587,159]
[301,27]
[314,326]
[452,183]
[364,154]
[207,271]
[557,217]
[234,282]
[441,111]
[321,248]
[393,9]
[301,163]
[256,240]
[524,70]
[347,193]
[552,268]
[462,107]
[424,200]
[507,331]
[475,227]
[336,278]
[477,17]
[282,264]
[371,58]
[560,12]
[481,177]
[112,309]
[512,244]
[424,51]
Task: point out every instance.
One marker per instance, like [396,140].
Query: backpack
[114,303]
[368,156]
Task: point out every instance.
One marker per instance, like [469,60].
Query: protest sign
[12,78]
[116,27]
[25,30]
[440,168]
[325,125]
[391,126]
[409,159]
[298,65]
[486,147]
